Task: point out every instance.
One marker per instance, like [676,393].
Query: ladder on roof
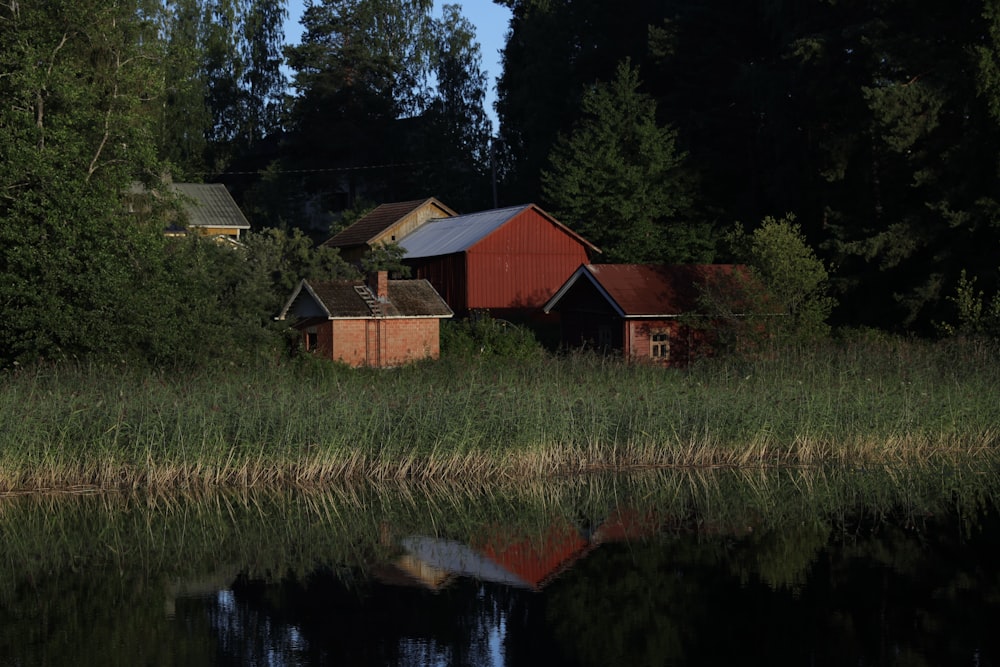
[369,299]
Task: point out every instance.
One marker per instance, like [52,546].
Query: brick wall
[385,342]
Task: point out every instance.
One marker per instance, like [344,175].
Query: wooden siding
[522,264]
[515,269]
[447,275]
[218,231]
[412,221]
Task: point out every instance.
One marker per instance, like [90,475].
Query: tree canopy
[619,179]
[876,123]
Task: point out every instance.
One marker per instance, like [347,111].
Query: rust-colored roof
[367,228]
[646,290]
[348,299]
[538,559]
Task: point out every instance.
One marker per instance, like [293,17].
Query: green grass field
[491,419]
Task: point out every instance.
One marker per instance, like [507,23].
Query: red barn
[640,310]
[509,261]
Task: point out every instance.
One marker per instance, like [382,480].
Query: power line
[318,171]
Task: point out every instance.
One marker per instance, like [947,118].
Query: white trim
[295,294]
[584,270]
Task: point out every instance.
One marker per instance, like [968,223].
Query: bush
[483,335]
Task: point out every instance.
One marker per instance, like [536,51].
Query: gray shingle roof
[210,205]
[350,299]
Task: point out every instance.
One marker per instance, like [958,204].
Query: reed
[886,402]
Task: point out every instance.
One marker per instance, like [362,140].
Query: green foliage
[286,257]
[974,315]
[453,142]
[483,335]
[795,278]
[221,299]
[79,86]
[894,403]
[556,51]
[225,87]
[618,179]
[263,82]
[361,58]
[783,298]
[394,97]
[385,257]
[184,117]
[915,149]
[878,122]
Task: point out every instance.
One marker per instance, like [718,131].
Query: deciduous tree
[77,80]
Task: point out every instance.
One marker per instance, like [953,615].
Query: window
[312,340]
[659,345]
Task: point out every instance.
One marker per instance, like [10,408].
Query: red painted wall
[686,343]
[447,275]
[516,268]
[522,264]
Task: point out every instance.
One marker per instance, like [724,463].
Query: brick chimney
[378,283]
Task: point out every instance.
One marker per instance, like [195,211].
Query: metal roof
[450,235]
[352,299]
[646,290]
[382,217]
[210,205]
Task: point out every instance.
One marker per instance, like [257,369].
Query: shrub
[483,335]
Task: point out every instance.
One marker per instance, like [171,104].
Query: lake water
[667,568]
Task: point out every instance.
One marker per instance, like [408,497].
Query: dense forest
[671,132]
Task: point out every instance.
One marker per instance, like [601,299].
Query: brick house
[376,322]
[508,261]
[642,311]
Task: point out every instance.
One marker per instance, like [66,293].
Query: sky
[489,19]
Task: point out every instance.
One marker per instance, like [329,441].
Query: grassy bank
[876,402]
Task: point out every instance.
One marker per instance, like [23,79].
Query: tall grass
[279,423]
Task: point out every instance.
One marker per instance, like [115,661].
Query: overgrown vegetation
[780,295]
[483,335]
[495,418]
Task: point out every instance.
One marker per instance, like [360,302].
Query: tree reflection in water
[868,570]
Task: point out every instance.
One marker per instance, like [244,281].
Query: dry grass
[892,403]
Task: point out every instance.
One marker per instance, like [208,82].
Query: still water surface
[719,568]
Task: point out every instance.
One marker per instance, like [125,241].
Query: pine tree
[454,141]
[263,80]
[619,179]
[186,117]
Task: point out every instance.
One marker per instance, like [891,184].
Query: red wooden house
[379,322]
[644,311]
[508,261]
